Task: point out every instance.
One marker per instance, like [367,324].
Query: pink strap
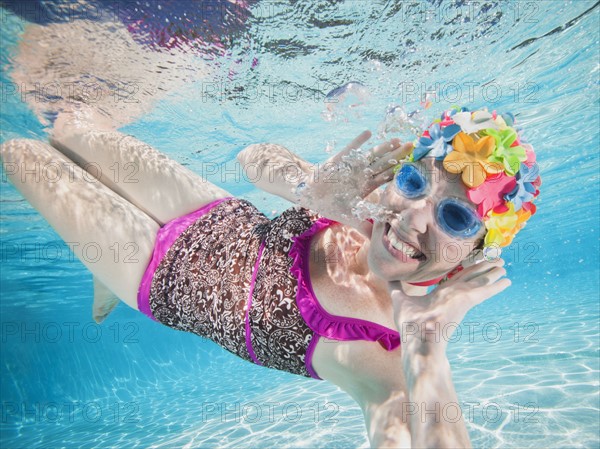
[249,305]
[316,317]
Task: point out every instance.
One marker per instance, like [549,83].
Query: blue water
[526,362]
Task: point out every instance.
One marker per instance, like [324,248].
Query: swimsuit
[228,273]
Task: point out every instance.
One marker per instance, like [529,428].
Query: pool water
[525,363]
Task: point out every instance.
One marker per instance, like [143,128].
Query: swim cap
[494,162]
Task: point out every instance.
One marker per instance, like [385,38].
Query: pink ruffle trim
[315,316]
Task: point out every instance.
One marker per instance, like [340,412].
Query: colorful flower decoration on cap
[502,227]
[508,152]
[472,159]
[491,195]
[496,165]
[525,190]
[435,142]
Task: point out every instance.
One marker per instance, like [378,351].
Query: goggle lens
[457,219]
[410,181]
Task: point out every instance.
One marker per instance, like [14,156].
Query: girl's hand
[426,322]
[348,177]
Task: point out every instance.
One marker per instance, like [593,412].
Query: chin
[389,270]
[392,264]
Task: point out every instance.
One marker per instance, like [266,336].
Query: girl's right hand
[422,320]
[345,179]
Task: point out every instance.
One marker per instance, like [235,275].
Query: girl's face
[424,237]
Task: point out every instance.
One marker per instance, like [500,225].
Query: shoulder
[362,368]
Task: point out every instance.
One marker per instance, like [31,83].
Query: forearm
[435,415]
[275,169]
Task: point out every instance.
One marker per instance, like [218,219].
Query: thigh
[111,237]
[157,185]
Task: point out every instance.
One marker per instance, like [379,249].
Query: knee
[23,159]
[16,150]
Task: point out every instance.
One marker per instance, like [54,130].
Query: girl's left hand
[423,320]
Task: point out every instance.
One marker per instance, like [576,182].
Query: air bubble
[365,209]
[300,188]
[491,253]
[398,121]
[345,101]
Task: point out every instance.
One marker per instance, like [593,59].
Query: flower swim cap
[496,165]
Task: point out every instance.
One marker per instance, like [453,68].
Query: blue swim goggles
[454,216]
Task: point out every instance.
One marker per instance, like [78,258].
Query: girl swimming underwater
[325,295]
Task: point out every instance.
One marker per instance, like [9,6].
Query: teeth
[400,246]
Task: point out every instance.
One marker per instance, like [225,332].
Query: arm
[423,413]
[334,188]
[436,419]
[439,422]
[275,169]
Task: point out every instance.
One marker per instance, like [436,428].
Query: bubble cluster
[378,213]
[399,122]
[356,156]
[345,102]
[330,146]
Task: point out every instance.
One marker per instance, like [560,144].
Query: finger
[381,178]
[378,180]
[488,277]
[402,150]
[406,149]
[354,145]
[476,257]
[474,270]
[358,141]
[396,289]
[391,159]
[486,292]
[481,271]
[384,148]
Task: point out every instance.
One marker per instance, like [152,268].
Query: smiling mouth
[398,248]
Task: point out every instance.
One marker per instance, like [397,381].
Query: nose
[417,216]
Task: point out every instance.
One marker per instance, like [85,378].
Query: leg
[157,185]
[112,238]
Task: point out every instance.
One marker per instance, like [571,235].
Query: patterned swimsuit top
[228,273]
